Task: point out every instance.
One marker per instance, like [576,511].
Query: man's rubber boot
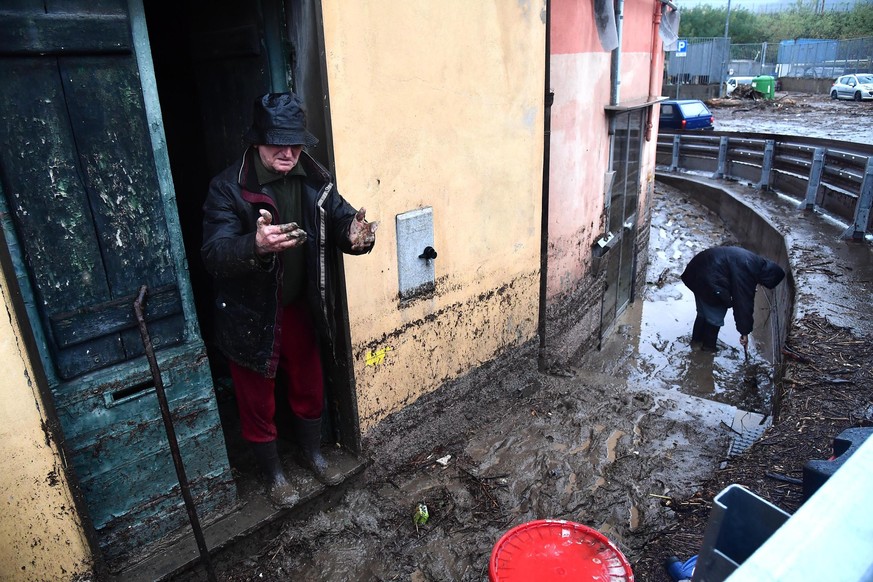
[308,434]
[697,331]
[279,490]
[710,337]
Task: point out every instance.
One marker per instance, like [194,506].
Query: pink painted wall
[579,147]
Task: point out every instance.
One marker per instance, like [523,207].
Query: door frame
[298,26]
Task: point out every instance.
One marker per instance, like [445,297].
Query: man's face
[280,159]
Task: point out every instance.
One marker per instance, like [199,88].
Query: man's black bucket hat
[279,119]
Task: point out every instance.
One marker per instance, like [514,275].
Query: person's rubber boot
[279,490]
[710,337]
[308,434]
[697,331]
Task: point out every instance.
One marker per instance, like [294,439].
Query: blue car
[685,115]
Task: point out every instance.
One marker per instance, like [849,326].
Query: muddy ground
[632,440]
[801,114]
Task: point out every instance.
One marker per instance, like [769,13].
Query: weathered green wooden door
[88,216]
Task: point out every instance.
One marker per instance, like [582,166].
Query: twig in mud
[729,427]
[482,477]
[425,534]
[487,493]
[784,478]
[484,487]
[492,477]
[279,549]
[769,440]
[836,381]
[795,356]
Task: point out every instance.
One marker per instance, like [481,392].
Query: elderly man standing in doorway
[723,278]
[269,221]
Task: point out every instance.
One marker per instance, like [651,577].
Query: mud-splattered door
[88,217]
[624,200]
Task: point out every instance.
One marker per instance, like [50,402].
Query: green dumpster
[765,85]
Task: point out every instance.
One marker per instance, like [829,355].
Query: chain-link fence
[706,61]
[702,63]
[751,60]
[824,59]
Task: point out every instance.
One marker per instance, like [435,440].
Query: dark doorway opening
[212,58]
[171,36]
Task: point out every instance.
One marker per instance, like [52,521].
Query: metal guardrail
[833,176]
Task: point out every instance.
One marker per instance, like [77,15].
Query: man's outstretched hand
[271,238]
[362,234]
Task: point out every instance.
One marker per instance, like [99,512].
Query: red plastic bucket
[549,550]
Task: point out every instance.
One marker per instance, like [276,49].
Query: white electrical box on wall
[415,253]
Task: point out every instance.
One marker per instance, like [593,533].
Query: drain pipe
[542,365]
[615,69]
[615,81]
[614,98]
[656,25]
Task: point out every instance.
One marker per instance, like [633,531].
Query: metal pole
[727,51]
[815,171]
[542,363]
[767,164]
[679,77]
[171,435]
[677,144]
[863,205]
[722,169]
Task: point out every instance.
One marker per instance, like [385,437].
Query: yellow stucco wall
[439,104]
[41,537]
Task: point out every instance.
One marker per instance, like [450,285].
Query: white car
[855,87]
[733,82]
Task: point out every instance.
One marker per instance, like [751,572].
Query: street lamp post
[727,51]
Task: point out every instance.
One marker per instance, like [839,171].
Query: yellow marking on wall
[377,357]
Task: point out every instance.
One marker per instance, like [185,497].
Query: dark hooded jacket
[248,290]
[727,277]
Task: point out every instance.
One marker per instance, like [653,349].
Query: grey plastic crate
[739,523]
[817,472]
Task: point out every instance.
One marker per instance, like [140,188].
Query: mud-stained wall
[41,537]
[439,105]
[579,148]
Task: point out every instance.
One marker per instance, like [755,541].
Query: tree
[804,20]
[706,22]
